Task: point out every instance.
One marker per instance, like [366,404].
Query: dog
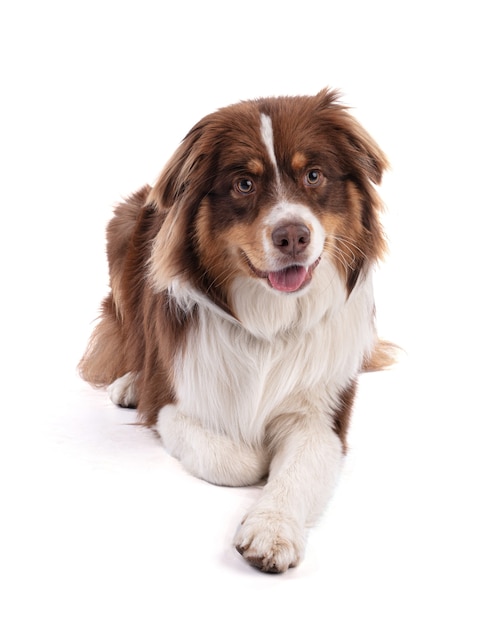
[241,308]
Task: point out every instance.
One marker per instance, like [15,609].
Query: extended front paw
[270,541]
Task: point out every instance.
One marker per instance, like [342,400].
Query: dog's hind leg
[123,391]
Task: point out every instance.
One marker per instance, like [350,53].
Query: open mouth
[288,279]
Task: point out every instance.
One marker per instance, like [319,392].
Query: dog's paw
[270,541]
[123,391]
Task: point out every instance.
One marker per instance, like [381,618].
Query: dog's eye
[244,186]
[313,178]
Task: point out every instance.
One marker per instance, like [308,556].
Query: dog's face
[267,189]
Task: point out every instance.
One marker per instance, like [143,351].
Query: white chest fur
[287,353]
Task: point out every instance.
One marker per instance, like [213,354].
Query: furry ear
[180,174]
[365,151]
[178,192]
[357,149]
[360,162]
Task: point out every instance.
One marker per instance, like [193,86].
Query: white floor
[102,527]
[97,524]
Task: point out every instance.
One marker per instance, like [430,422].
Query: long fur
[241,308]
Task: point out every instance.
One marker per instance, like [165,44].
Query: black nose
[291,239]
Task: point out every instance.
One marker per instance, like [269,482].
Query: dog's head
[268,189]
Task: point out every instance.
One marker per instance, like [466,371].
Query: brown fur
[186,226]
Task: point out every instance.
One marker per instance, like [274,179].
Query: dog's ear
[367,153]
[359,153]
[178,192]
[361,163]
[183,174]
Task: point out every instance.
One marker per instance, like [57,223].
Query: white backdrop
[98,525]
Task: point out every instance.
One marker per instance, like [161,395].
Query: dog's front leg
[307,456]
[210,455]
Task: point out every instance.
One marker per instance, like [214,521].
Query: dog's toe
[270,542]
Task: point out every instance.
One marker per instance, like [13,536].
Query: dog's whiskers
[346,257]
[350,244]
[219,280]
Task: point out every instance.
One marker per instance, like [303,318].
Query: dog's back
[106,357]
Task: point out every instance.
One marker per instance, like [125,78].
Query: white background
[99,525]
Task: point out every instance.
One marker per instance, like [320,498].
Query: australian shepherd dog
[241,307]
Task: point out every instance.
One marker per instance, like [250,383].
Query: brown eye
[244,186]
[313,178]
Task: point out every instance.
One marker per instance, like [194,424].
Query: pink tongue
[289,279]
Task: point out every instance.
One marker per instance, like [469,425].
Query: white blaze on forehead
[267,137]
[285,211]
